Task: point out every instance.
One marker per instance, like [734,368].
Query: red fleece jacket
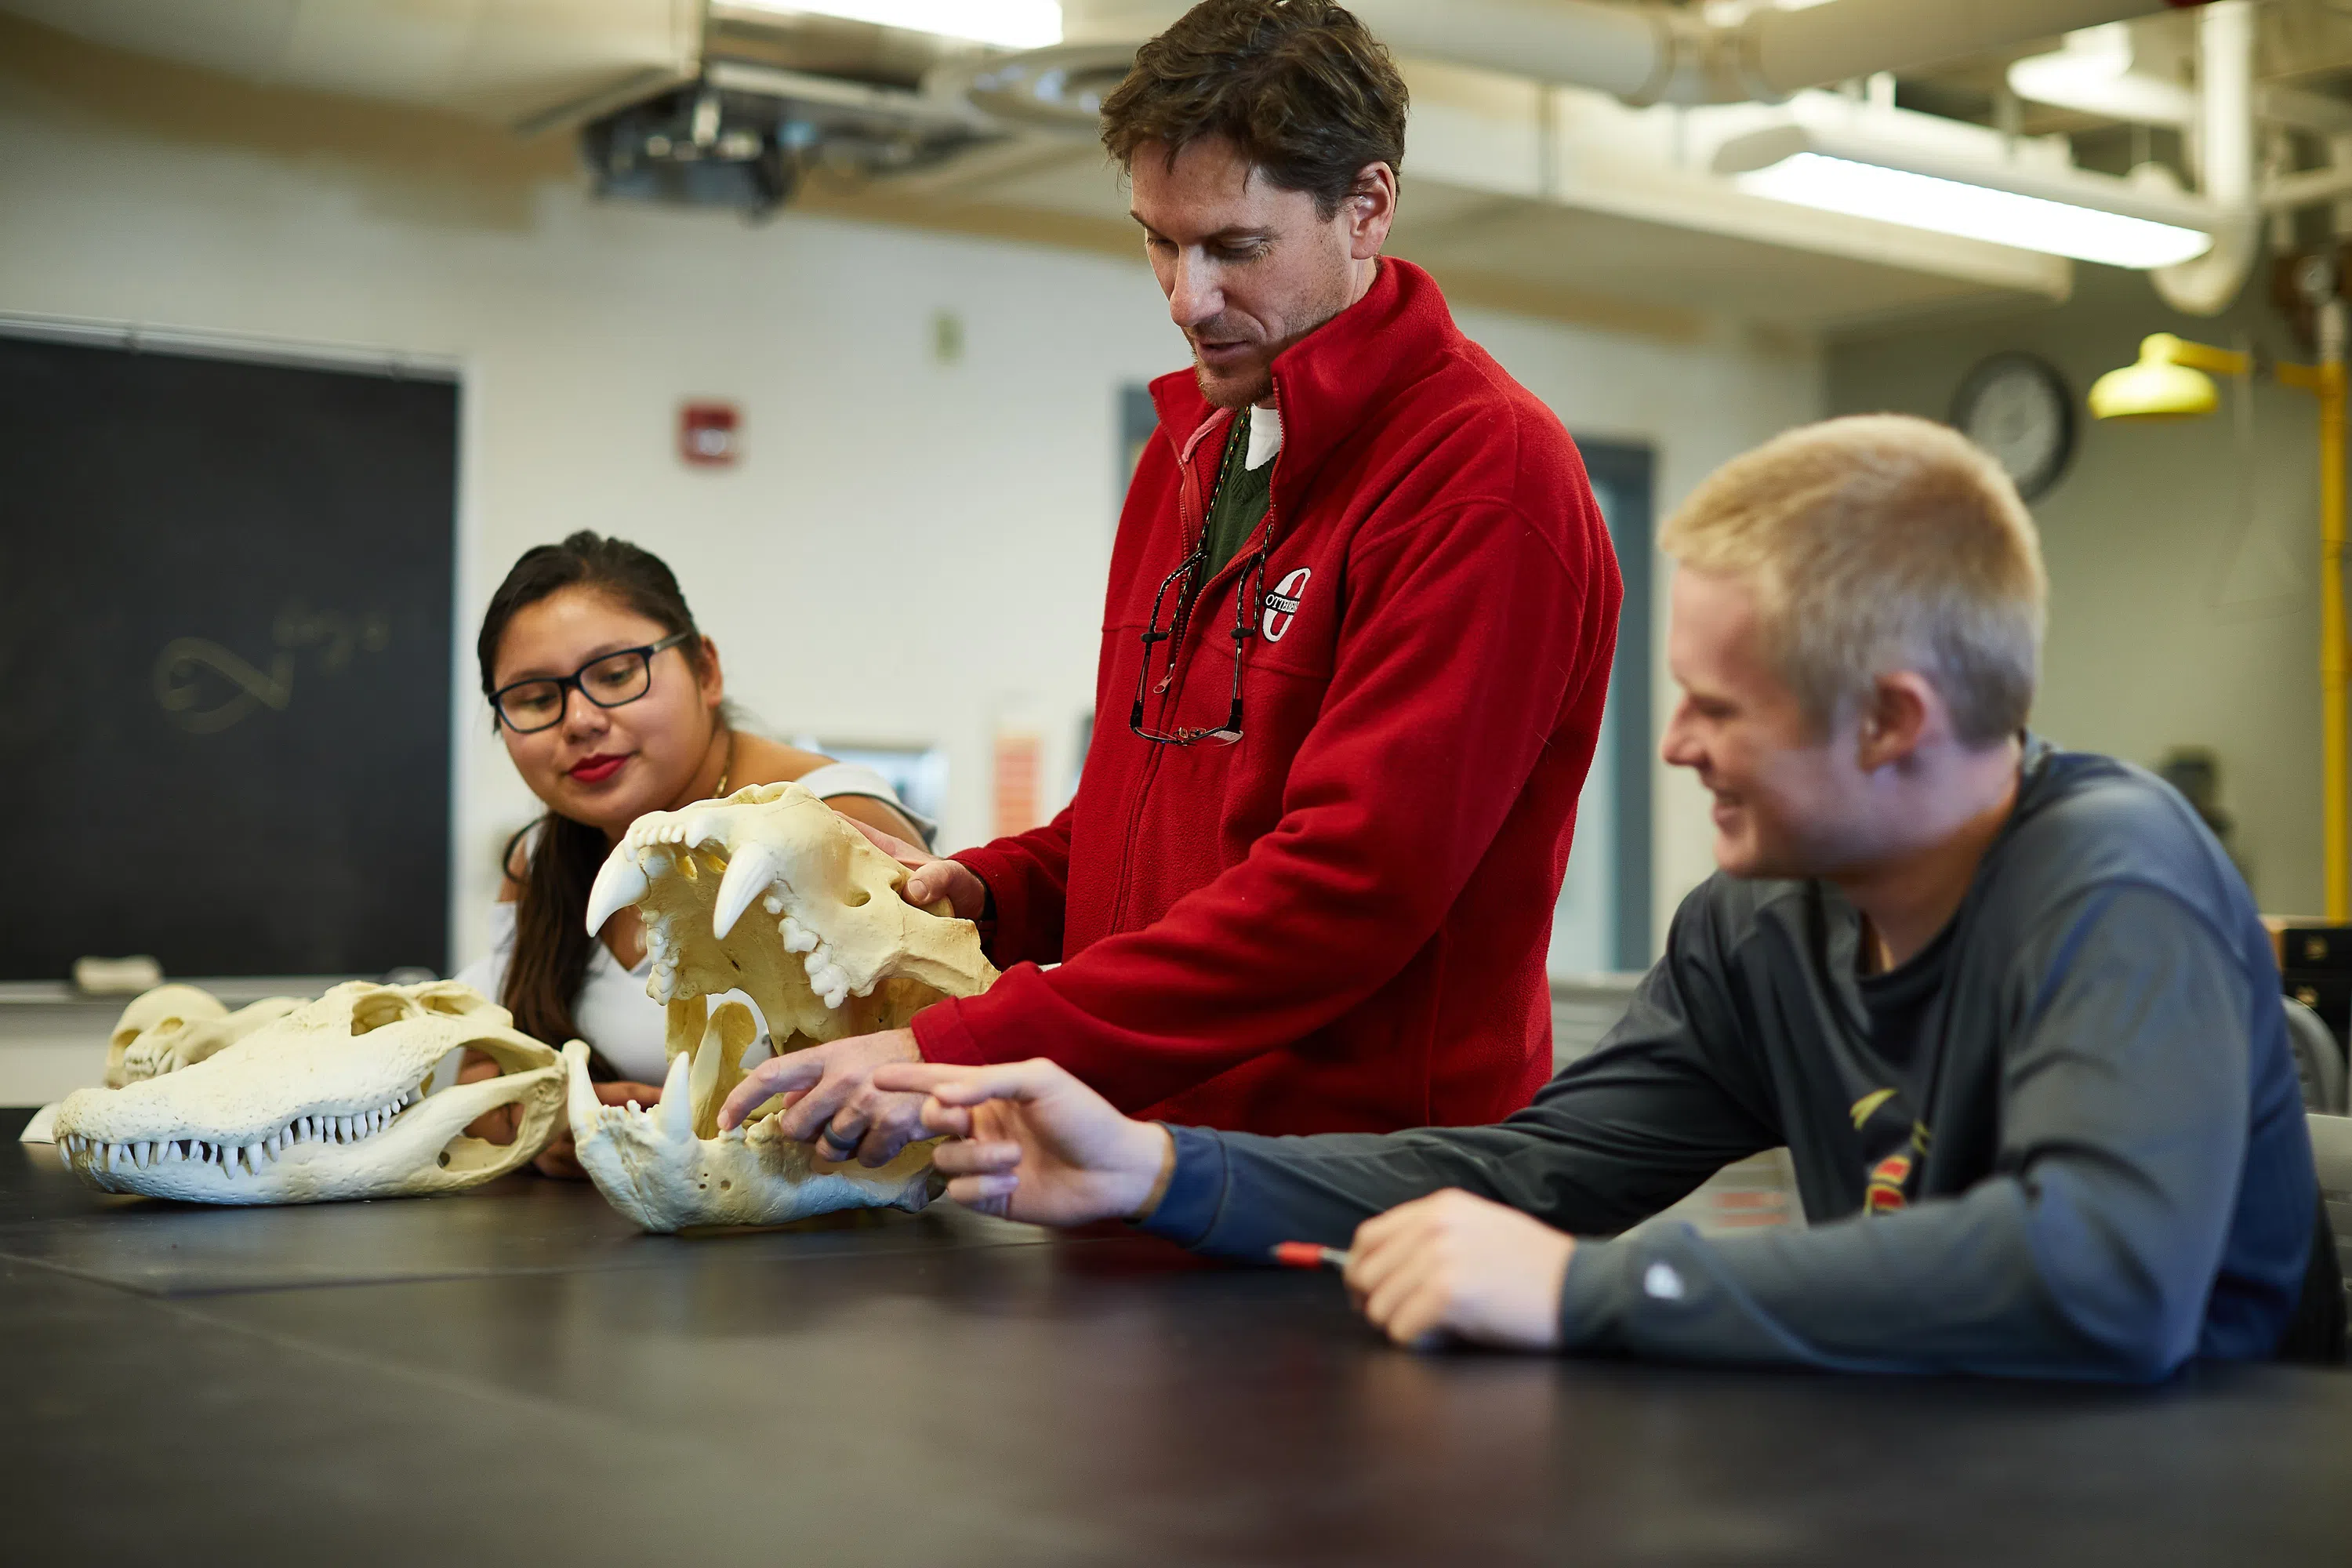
[1339,923]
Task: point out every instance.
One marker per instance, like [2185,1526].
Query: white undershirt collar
[1264,437]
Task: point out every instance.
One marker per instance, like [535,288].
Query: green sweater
[1243,495]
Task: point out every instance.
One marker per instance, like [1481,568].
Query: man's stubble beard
[1236,395]
[1259,388]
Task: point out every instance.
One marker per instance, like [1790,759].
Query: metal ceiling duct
[519,63]
[1659,54]
[1640,53]
[1846,38]
[2136,73]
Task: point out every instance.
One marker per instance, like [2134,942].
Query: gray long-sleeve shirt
[2108,1171]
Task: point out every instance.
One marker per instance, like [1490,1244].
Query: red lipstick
[596,770]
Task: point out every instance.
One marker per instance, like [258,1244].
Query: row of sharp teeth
[230,1158]
[667,959]
[826,978]
[643,1115]
[687,830]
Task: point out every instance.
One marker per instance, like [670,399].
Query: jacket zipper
[1171,686]
[1186,480]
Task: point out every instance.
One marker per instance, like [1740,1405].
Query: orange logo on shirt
[1884,1194]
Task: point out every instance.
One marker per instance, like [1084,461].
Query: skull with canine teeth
[312,1101]
[834,950]
[669,1168]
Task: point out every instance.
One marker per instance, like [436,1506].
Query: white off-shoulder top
[612,1010]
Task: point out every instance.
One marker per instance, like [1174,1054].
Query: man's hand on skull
[934,879]
[831,1101]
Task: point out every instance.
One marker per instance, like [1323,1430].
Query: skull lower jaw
[651,1166]
[742,1177]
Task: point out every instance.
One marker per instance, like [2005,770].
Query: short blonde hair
[1874,543]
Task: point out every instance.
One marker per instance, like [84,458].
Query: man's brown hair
[1300,87]
[1878,542]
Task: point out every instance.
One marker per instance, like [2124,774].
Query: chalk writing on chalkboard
[336,635]
[204,688]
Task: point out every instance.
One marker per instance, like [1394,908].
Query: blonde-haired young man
[2008,1007]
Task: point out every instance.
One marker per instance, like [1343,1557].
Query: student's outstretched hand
[1455,1264]
[1032,1142]
[934,879]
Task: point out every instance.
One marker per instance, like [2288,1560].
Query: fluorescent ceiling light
[1974,212]
[1934,177]
[1009,24]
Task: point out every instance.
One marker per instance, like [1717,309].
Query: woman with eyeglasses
[612,704]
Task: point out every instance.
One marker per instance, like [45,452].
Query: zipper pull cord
[1234,441]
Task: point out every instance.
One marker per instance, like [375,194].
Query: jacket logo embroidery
[1282,602]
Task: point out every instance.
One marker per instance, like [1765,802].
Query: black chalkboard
[225,662]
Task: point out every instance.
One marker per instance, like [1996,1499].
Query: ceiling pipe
[1844,38]
[2339,215]
[2095,73]
[1632,51]
[2225,142]
[2099,72]
[1656,54]
[1643,54]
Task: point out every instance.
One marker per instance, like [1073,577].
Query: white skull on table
[175,1027]
[308,1102]
[772,893]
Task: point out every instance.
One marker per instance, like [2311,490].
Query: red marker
[1307,1255]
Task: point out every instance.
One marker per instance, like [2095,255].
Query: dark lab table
[516,1375]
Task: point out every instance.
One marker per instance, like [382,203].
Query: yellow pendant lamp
[2167,383]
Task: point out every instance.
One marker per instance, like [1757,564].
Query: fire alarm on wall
[708,433]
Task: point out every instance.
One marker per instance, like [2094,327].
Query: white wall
[2184,581]
[909,551]
[1697,404]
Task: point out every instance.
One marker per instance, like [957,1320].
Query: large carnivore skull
[772,893]
[839,952]
[314,1101]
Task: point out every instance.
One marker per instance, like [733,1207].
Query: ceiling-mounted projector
[693,147]
[720,145]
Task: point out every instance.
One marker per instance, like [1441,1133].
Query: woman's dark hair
[1300,86]
[553,945]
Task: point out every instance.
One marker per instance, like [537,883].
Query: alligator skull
[839,953]
[315,1101]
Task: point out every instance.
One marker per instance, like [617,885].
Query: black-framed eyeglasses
[1251,583]
[608,680]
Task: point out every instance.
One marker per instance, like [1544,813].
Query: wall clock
[2018,409]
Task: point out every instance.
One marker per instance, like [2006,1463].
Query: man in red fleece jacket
[1358,635]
